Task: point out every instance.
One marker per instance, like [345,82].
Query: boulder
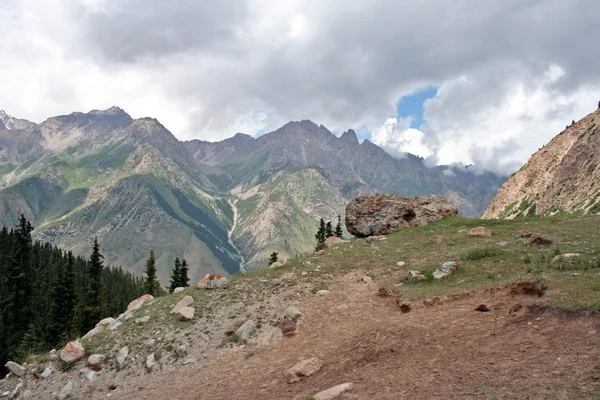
[480,231]
[292,314]
[304,369]
[150,362]
[245,331]
[46,373]
[66,391]
[15,368]
[96,360]
[72,352]
[105,321]
[139,302]
[334,392]
[178,290]
[380,214]
[278,264]
[94,331]
[445,269]
[123,354]
[186,313]
[211,281]
[186,301]
[333,240]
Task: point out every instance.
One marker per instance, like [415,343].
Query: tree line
[326,230]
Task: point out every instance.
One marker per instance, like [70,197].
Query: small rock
[185,302]
[322,292]
[292,313]
[278,264]
[333,240]
[66,391]
[115,325]
[178,290]
[122,356]
[186,313]
[93,332]
[304,369]
[46,373]
[502,243]
[564,256]
[384,292]
[89,375]
[53,354]
[211,281]
[482,308]
[366,279]
[308,263]
[304,273]
[434,240]
[526,234]
[150,362]
[401,263]
[446,269]
[289,328]
[189,361]
[142,320]
[139,302]
[480,231]
[334,392]
[539,240]
[15,368]
[245,331]
[414,275]
[72,352]
[342,307]
[96,360]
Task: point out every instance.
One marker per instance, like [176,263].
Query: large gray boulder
[380,214]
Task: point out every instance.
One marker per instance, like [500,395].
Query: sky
[454,81]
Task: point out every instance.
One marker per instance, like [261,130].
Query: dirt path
[441,351]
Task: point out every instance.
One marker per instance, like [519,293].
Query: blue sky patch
[412,105]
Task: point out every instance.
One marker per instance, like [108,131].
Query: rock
[93,332]
[142,320]
[105,321]
[322,292]
[72,352]
[480,231]
[334,392]
[502,243]
[304,369]
[189,361]
[384,292]
[15,392]
[366,279]
[186,301]
[115,324]
[434,240]
[380,214]
[414,275]
[482,308]
[89,375]
[525,234]
[278,264]
[186,313]
[15,368]
[96,360]
[565,256]
[66,391]
[139,302]
[46,373]
[342,307]
[53,354]
[292,314]
[304,273]
[289,328]
[446,269]
[245,331]
[178,290]
[150,362]
[122,356]
[401,263]
[333,240]
[211,281]
[536,239]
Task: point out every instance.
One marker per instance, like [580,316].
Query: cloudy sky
[470,81]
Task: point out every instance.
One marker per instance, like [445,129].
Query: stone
[115,325]
[186,301]
[245,331]
[480,231]
[401,263]
[142,320]
[278,264]
[186,313]
[96,360]
[304,369]
[211,281]
[342,307]
[322,292]
[414,275]
[15,368]
[289,328]
[72,352]
[105,321]
[292,314]
[139,302]
[66,391]
[46,373]
[93,332]
[434,240]
[482,308]
[502,243]
[565,256]
[178,290]
[380,214]
[189,361]
[333,240]
[122,356]
[53,354]
[445,269]
[150,362]
[89,375]
[334,392]
[366,279]
[539,240]
[525,234]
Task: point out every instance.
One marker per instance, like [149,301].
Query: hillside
[563,176]
[221,205]
[531,343]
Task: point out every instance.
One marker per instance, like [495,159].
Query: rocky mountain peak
[9,122]
[349,137]
[114,110]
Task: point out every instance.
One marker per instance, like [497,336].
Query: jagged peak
[349,136]
[9,122]
[114,110]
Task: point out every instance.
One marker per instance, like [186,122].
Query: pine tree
[175,275]
[338,228]
[328,230]
[151,285]
[320,236]
[274,258]
[184,280]
[95,306]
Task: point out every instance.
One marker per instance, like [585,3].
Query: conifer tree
[320,236]
[94,307]
[184,280]
[274,258]
[151,285]
[328,230]
[338,228]
[175,275]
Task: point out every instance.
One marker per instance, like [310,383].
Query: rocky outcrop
[211,281]
[72,352]
[304,369]
[380,214]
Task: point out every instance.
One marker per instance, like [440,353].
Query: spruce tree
[328,230]
[151,285]
[175,275]
[95,306]
[320,236]
[338,228]
[184,280]
[274,258]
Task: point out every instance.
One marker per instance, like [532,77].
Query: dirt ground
[440,350]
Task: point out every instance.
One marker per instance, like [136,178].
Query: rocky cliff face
[564,175]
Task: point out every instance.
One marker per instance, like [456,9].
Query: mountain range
[224,206]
